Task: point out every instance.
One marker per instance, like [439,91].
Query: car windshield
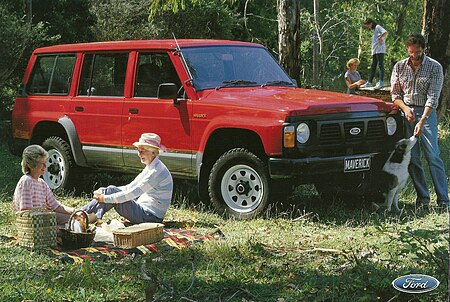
[217,67]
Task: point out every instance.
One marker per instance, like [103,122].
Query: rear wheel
[238,185]
[59,163]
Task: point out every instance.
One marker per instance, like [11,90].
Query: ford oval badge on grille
[355,131]
[415,284]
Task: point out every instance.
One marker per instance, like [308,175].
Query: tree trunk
[437,34]
[444,106]
[401,14]
[316,50]
[289,36]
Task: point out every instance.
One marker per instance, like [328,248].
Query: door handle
[133,110]
[79,108]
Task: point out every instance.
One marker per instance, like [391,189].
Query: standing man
[379,35]
[416,86]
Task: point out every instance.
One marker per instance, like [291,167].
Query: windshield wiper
[234,83]
[277,83]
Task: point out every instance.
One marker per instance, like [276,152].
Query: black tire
[59,164]
[238,184]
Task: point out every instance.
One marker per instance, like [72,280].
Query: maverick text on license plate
[357,164]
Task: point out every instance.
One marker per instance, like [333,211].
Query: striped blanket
[173,239]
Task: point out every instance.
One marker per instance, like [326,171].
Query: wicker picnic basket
[36,228]
[76,240]
[138,234]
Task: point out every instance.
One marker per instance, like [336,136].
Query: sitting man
[147,198]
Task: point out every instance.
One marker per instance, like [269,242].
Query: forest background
[312,39]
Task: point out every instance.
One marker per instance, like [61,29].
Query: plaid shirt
[420,88]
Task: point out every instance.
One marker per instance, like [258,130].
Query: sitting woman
[32,192]
[352,76]
[147,198]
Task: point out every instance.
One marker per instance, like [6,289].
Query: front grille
[351,132]
[330,134]
[376,131]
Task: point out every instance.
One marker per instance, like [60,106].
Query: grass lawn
[303,249]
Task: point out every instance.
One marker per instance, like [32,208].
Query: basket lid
[36,212]
[138,227]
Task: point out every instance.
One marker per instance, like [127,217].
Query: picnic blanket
[173,239]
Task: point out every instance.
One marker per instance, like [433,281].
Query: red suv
[230,116]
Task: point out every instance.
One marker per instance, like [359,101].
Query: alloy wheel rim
[55,172]
[242,188]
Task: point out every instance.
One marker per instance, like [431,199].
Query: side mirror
[168,91]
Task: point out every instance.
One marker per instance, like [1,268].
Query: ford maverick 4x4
[229,115]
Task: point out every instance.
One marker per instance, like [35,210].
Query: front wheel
[238,185]
[59,163]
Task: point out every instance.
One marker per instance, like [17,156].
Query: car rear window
[51,74]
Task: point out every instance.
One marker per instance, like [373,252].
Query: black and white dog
[395,173]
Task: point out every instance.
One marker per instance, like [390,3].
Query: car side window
[103,74]
[51,75]
[154,69]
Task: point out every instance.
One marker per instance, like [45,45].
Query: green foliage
[68,20]
[121,20]
[16,36]
[204,19]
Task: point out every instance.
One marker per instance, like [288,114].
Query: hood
[294,101]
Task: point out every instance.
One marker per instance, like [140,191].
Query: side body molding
[74,141]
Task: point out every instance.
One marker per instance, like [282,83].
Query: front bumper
[319,168]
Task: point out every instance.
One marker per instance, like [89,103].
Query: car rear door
[97,108]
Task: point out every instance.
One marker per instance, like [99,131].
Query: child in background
[352,76]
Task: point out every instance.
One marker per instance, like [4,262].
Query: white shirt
[376,46]
[152,188]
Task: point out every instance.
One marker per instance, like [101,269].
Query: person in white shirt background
[379,35]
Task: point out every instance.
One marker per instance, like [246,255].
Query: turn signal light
[289,137]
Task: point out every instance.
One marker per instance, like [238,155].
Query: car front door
[145,112]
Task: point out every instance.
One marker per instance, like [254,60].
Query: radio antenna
[183,59]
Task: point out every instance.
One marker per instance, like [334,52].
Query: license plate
[355,164]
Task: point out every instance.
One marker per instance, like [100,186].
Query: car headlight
[391,125]
[303,133]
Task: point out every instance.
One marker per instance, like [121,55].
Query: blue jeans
[377,59]
[130,210]
[428,144]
